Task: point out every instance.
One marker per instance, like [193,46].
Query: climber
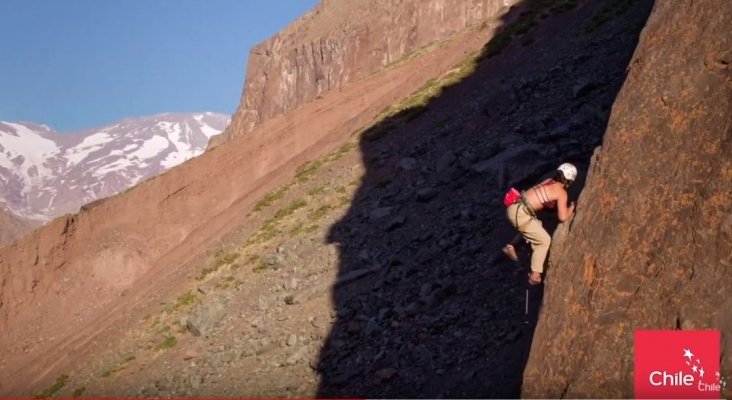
[522,209]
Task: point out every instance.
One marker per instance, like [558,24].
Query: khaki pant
[532,230]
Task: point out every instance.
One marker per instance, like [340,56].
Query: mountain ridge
[44,173]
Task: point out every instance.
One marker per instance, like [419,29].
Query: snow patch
[208,130]
[34,148]
[176,158]
[119,164]
[90,144]
[150,148]
[174,132]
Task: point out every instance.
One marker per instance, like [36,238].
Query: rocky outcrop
[341,41]
[650,244]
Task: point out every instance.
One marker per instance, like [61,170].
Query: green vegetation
[114,370]
[110,372]
[343,150]
[320,212]
[222,258]
[167,343]
[289,210]
[343,200]
[185,300]
[297,228]
[611,10]
[271,197]
[303,174]
[78,391]
[61,381]
[317,191]
[269,228]
[307,170]
[226,283]
[261,265]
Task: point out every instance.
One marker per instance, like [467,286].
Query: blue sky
[78,64]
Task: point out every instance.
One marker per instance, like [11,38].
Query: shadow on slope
[425,304]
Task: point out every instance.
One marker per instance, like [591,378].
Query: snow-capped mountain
[44,174]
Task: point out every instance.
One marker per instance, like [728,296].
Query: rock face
[650,244]
[341,41]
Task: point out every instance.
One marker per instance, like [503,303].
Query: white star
[717,374]
[698,361]
[687,353]
[694,368]
[688,363]
[701,372]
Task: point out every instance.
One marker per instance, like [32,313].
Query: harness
[541,194]
[525,204]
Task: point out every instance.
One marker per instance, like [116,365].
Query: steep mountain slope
[12,227]
[651,244]
[44,174]
[342,41]
[96,274]
[374,272]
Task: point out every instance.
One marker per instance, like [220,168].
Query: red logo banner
[677,364]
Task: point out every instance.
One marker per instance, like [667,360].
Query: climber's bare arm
[563,211]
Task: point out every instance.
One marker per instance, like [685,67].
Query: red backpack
[511,197]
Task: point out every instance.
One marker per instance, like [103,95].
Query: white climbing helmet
[569,171]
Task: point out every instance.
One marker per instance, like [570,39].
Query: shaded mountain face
[44,174]
[651,244]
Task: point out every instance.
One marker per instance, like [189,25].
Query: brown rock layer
[650,245]
[341,41]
